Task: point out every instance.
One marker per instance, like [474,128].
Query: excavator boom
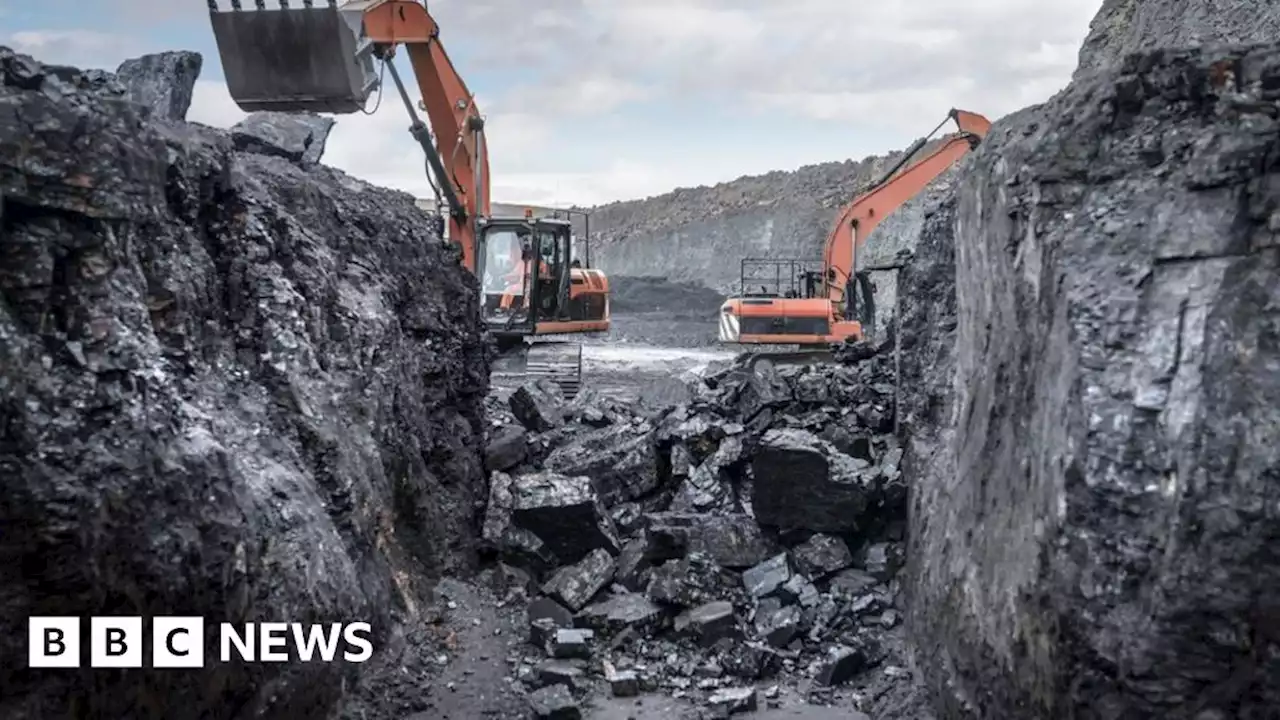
[818,312]
[873,205]
[323,57]
[332,56]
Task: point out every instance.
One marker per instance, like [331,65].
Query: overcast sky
[589,101]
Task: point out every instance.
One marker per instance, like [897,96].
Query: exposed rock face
[163,82]
[1122,27]
[1095,537]
[299,137]
[229,388]
[688,234]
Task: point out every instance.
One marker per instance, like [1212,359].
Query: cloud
[846,61]
[596,100]
[80,48]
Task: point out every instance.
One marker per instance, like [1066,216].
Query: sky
[591,101]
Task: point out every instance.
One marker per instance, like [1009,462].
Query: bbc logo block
[116,642]
[177,642]
[53,642]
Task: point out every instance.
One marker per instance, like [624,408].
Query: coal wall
[231,386]
[1092,352]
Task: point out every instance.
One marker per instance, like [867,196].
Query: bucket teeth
[238,5]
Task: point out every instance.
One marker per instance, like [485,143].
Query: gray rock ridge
[162,82]
[1122,27]
[299,137]
[1093,533]
[230,387]
[687,235]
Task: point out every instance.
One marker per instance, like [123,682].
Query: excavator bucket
[313,57]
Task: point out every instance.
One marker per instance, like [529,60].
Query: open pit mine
[1032,474]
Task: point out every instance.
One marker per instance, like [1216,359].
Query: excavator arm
[321,58]
[861,216]
[331,56]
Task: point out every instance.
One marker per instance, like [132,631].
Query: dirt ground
[458,664]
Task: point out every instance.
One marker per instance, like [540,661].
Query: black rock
[707,486]
[621,612]
[564,512]
[545,616]
[634,566]
[559,672]
[570,643]
[627,517]
[822,555]
[623,683]
[507,448]
[554,702]
[802,482]
[497,513]
[800,590]
[882,560]
[733,541]
[163,82]
[749,661]
[229,385]
[504,580]
[759,389]
[297,137]
[767,577]
[708,623]
[812,387]
[575,585]
[526,550]
[841,664]
[538,405]
[731,701]
[621,460]
[852,582]
[779,626]
[690,582]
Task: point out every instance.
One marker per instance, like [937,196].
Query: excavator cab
[312,58]
[525,268]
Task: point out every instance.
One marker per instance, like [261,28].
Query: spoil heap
[231,386]
[752,535]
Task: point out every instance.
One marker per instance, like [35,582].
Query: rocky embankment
[700,234]
[1091,369]
[233,384]
[740,550]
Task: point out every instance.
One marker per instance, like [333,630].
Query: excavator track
[560,362]
[765,359]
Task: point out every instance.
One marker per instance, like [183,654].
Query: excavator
[332,56]
[815,309]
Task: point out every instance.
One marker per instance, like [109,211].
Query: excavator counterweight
[295,59]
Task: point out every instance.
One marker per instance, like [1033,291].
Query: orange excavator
[329,56]
[817,308]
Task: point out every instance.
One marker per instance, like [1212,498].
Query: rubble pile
[751,536]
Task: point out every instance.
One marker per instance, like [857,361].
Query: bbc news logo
[179,642]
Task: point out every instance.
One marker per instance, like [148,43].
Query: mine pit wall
[1095,411]
[231,386]
[701,234]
